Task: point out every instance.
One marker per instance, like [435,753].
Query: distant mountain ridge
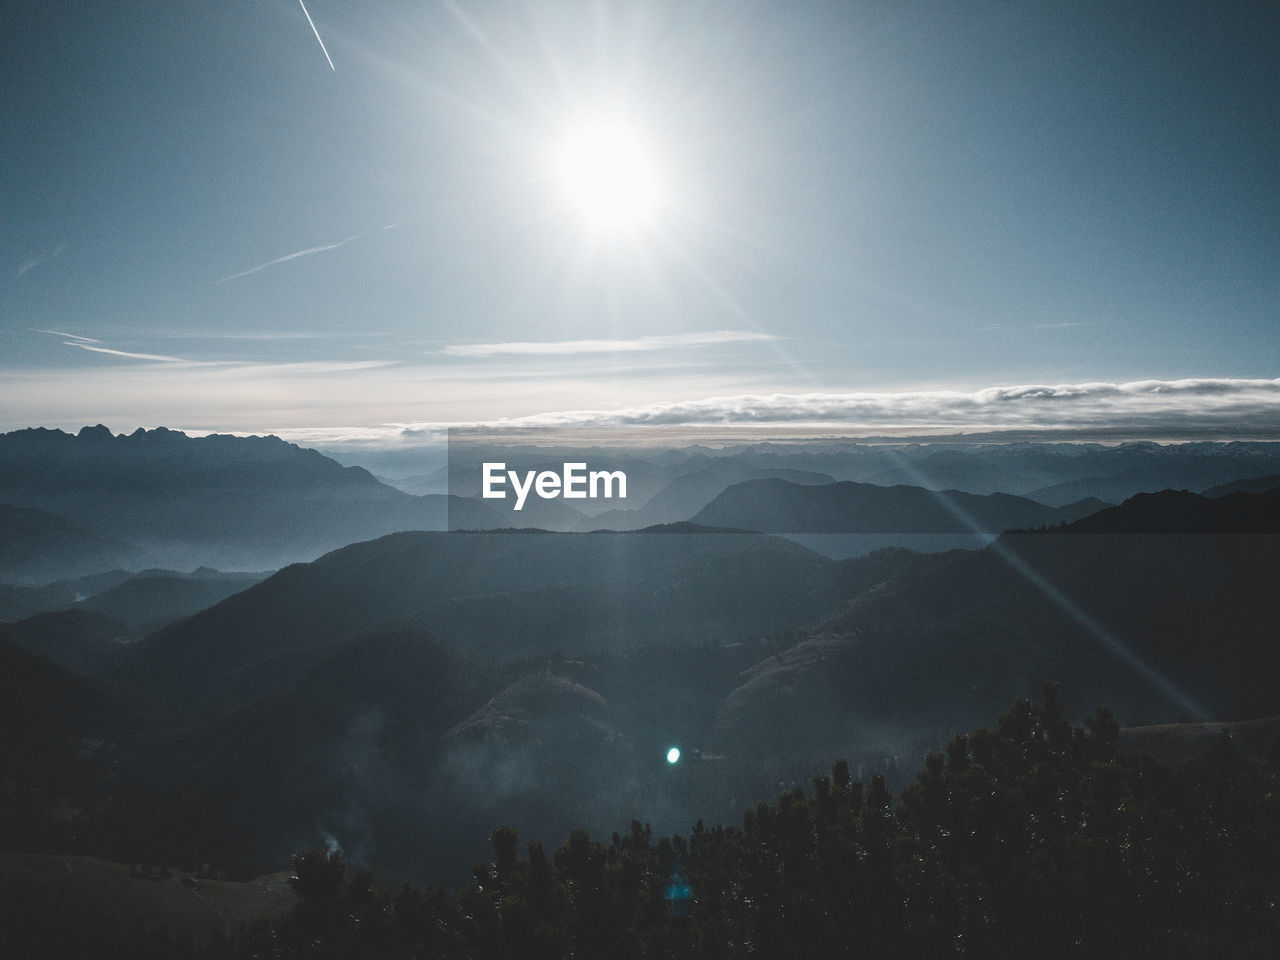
[1179,511]
[231,502]
[81,641]
[778,506]
[686,495]
[1245,485]
[37,546]
[1052,472]
[1058,474]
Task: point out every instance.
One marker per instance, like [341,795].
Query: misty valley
[384,677]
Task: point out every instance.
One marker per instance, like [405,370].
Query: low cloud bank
[1170,404]
[1162,409]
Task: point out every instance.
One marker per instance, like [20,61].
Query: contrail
[285,258]
[317,33]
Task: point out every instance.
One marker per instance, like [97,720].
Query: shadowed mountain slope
[82,641]
[1247,485]
[1177,511]
[37,546]
[1160,626]
[503,594]
[687,494]
[143,601]
[60,737]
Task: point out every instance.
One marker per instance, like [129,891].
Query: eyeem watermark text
[573,482]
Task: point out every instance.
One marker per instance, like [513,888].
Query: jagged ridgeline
[161,498]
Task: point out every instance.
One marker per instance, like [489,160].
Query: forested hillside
[1035,838]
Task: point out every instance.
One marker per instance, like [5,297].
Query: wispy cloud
[32,262]
[285,259]
[66,336]
[322,248]
[123,353]
[95,345]
[572,347]
[309,368]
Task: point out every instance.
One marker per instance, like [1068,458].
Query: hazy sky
[879,215]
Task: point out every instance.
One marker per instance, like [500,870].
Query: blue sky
[870,216]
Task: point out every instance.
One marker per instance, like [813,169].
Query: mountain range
[402,694]
[239,503]
[1055,474]
[74,505]
[779,506]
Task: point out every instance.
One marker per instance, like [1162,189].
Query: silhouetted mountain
[156,598]
[1053,473]
[777,506]
[501,594]
[1250,485]
[679,500]
[82,641]
[1177,511]
[400,747]
[19,602]
[346,749]
[687,494]
[1134,609]
[1061,473]
[143,601]
[60,739]
[231,502]
[1179,743]
[37,546]
[973,471]
[1116,473]
[536,513]
[1161,627]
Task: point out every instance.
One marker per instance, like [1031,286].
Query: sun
[608,174]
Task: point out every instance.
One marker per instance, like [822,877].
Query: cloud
[31,263]
[308,368]
[285,259]
[67,336]
[244,370]
[380,403]
[304,253]
[571,347]
[1164,404]
[83,345]
[91,343]
[1168,409]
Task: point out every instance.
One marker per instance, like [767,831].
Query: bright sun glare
[607,173]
